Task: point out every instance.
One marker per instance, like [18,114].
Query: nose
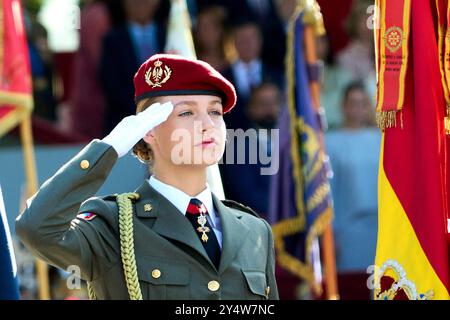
[206,122]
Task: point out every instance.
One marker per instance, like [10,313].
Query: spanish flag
[412,256]
[15,77]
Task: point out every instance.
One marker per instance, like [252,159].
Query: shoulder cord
[124,202]
[91,292]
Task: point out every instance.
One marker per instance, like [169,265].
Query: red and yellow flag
[15,77]
[413,248]
[392,46]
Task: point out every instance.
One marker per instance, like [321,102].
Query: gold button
[267,291]
[148,207]
[213,286]
[156,273]
[84,164]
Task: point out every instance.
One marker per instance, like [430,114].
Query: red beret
[168,75]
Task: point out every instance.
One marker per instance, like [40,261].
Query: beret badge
[157,75]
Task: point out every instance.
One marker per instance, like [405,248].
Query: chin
[210,163]
[206,162]
[202,165]
[205,158]
[211,157]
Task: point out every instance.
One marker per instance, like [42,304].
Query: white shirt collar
[181,200]
[136,27]
[256,63]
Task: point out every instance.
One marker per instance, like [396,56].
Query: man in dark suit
[261,11]
[125,47]
[249,70]
[266,13]
[262,111]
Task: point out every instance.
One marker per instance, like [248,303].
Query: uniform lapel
[234,233]
[169,223]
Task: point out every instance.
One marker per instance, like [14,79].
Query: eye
[216,112]
[185,114]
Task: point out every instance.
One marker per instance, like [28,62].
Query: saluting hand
[133,128]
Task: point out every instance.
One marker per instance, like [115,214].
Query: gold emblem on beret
[158,75]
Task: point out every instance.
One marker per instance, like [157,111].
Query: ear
[149,137]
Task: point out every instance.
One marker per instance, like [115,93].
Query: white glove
[133,128]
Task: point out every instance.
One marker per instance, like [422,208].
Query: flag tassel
[386,119]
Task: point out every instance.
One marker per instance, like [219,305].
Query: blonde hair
[142,149]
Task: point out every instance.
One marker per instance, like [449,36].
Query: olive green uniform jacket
[171,261]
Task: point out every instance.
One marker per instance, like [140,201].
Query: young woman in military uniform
[172,238]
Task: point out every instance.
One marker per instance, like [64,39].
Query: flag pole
[327,239]
[31,178]
[330,264]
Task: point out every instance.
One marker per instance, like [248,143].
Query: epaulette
[114,197]
[91,205]
[111,197]
[240,206]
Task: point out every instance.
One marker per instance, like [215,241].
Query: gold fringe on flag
[386,119]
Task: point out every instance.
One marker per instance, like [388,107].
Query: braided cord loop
[91,292]
[125,204]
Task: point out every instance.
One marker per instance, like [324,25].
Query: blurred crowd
[85,93]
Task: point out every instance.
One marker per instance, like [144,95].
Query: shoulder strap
[240,206]
[125,204]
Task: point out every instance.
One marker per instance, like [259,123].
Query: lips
[208,142]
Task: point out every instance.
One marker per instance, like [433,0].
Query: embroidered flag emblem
[88,216]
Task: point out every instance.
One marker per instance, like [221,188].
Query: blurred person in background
[275,35]
[124,48]
[97,18]
[249,70]
[262,111]
[358,57]
[354,156]
[26,272]
[260,11]
[209,36]
[42,71]
[264,14]
[335,80]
